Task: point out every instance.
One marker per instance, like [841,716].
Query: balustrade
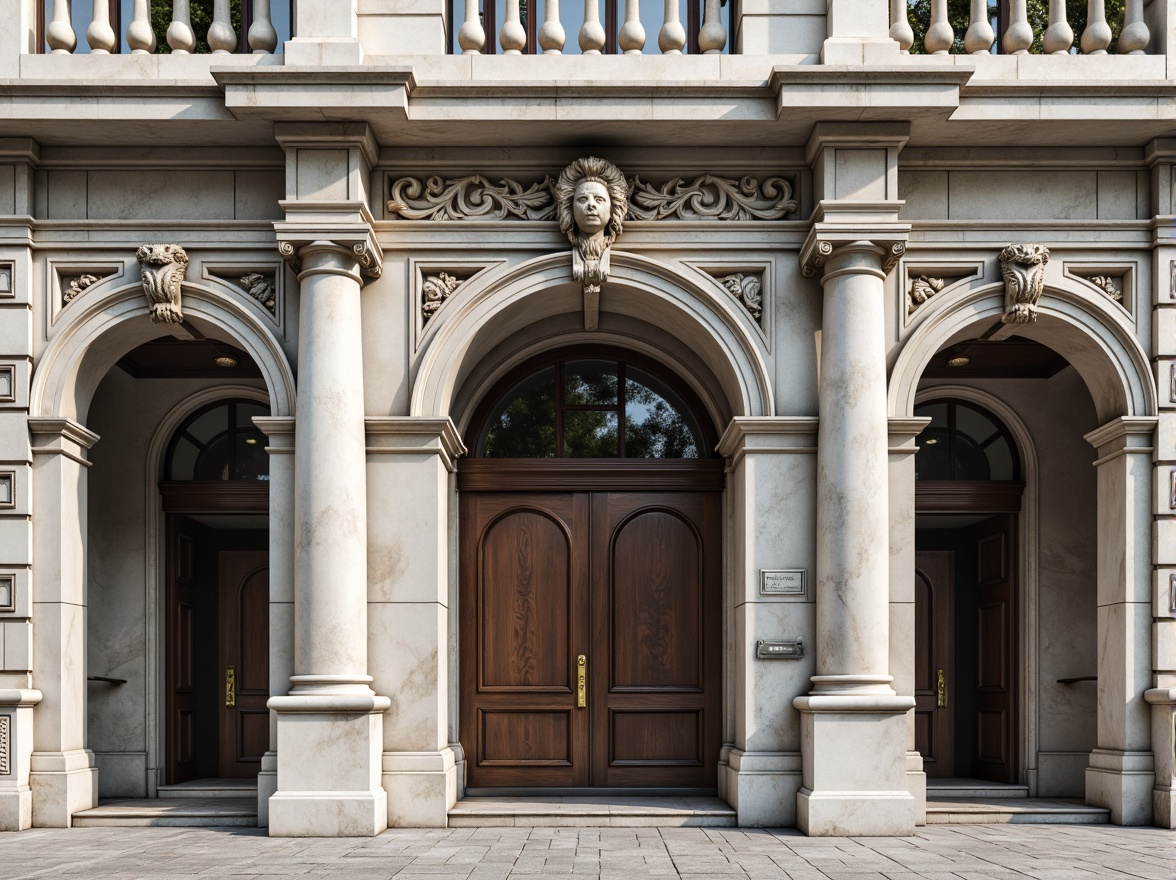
[591,27]
[259,21]
[1018,36]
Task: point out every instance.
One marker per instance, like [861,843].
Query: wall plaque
[7,593]
[782,581]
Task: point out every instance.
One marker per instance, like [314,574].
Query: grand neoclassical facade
[392,415]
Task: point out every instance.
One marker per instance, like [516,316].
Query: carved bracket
[163,269]
[1023,268]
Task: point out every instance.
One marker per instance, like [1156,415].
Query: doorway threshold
[974,788]
[211,788]
[597,810]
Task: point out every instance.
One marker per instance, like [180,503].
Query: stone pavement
[967,852]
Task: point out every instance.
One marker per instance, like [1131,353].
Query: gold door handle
[941,691]
[230,686]
[581,682]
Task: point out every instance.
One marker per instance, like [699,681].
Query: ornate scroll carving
[261,289]
[816,260]
[435,291]
[1108,285]
[704,198]
[5,745]
[922,289]
[164,268]
[746,289]
[471,198]
[1023,269]
[712,198]
[76,286]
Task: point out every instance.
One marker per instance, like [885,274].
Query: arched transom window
[590,407]
[964,442]
[219,442]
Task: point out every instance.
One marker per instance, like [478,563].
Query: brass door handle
[941,691]
[230,686]
[581,682]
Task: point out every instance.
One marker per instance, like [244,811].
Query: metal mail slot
[787,649]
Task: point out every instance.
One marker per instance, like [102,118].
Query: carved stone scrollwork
[76,286]
[1023,269]
[747,290]
[816,260]
[369,259]
[712,198]
[261,288]
[1108,285]
[163,269]
[922,289]
[435,291]
[470,198]
[893,254]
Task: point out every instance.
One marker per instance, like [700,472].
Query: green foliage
[200,12]
[959,11]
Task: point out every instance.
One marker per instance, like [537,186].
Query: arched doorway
[968,492]
[590,579]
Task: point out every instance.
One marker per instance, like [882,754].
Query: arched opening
[590,579]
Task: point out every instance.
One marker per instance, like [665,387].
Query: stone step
[974,788]
[174,812]
[1024,811]
[586,812]
[211,788]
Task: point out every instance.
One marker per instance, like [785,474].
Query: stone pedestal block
[1122,782]
[329,750]
[762,787]
[421,787]
[63,783]
[16,746]
[843,795]
[1163,706]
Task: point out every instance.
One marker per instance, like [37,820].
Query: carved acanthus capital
[163,269]
[1023,268]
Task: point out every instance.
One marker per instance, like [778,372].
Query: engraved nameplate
[786,649]
[782,581]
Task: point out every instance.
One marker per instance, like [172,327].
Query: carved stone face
[591,206]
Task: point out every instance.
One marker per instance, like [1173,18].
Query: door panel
[243,614]
[181,626]
[934,651]
[996,616]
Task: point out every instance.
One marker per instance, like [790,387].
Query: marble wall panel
[205,194]
[1024,195]
[405,644]
[256,194]
[925,193]
[767,722]
[7,189]
[64,195]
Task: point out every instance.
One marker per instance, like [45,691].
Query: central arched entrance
[590,579]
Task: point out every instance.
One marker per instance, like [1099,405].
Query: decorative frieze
[922,288]
[435,290]
[747,290]
[163,269]
[707,197]
[1023,268]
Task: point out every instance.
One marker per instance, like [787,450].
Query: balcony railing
[591,27]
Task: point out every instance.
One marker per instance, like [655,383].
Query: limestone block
[17,638]
[1164,339]
[1164,540]
[121,774]
[406,647]
[325,18]
[421,788]
[1062,774]
[16,541]
[256,194]
[762,787]
[1124,673]
[59,650]
[403,33]
[63,783]
[925,194]
[765,719]
[1122,782]
[1164,598]
[16,746]
[7,189]
[902,640]
[1118,196]
[65,194]
[1164,646]
[1025,195]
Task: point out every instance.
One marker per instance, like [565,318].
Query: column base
[421,787]
[917,786]
[855,766]
[267,786]
[1122,782]
[16,725]
[1163,741]
[62,783]
[762,787]
[16,807]
[329,749]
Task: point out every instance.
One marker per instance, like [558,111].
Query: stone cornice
[298,93]
[408,435]
[1132,433]
[780,434]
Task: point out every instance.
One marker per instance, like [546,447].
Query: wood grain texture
[996,621]
[180,662]
[243,640]
[935,650]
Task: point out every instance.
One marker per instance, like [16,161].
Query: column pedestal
[16,747]
[1163,705]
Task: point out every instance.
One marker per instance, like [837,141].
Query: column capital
[839,224]
[414,435]
[346,226]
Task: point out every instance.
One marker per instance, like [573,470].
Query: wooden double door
[591,629]
[966,651]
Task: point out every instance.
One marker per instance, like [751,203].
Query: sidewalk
[959,852]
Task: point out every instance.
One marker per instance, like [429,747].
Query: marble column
[1121,774]
[329,726]
[854,729]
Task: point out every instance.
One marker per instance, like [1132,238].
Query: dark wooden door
[181,645]
[935,680]
[630,583]
[243,640]
[996,636]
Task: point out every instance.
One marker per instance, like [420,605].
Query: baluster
[1059,36]
[179,32]
[100,35]
[60,35]
[632,36]
[1135,36]
[979,38]
[712,36]
[1019,37]
[1097,35]
[940,35]
[222,39]
[672,36]
[263,39]
[592,33]
[513,36]
[551,35]
[472,36]
[900,30]
[140,36]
